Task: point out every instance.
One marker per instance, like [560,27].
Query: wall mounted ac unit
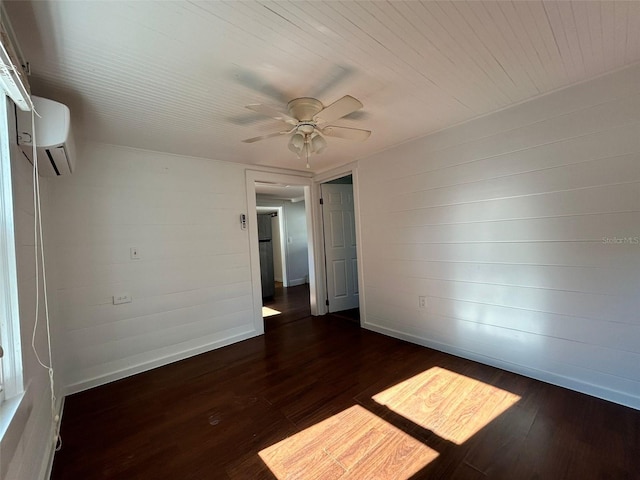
[54,140]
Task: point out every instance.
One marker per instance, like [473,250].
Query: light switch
[135,253]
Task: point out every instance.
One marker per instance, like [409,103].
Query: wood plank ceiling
[174,76]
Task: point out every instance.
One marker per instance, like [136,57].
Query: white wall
[191,289]
[277,248]
[296,243]
[27,447]
[500,223]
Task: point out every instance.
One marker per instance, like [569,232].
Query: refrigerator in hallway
[266,255]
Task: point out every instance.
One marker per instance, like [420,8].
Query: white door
[340,246]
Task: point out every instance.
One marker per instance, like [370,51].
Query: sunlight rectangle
[354,444]
[269,312]
[451,405]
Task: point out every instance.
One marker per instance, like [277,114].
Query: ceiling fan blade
[255,82]
[262,137]
[338,109]
[346,133]
[273,113]
[337,75]
[247,119]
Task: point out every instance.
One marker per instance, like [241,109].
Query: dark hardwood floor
[320,398]
[292,302]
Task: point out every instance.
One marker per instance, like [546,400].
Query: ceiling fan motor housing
[305,108]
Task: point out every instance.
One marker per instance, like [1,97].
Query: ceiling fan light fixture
[318,143]
[296,143]
[293,149]
[311,123]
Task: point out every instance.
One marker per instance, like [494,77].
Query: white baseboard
[47,464]
[165,360]
[296,282]
[615,396]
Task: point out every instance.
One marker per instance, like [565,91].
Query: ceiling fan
[310,122]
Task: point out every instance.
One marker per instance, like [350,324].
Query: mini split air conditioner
[54,141]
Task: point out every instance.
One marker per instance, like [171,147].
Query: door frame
[251,177]
[342,171]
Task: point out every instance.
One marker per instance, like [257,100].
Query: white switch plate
[135,253]
[422,302]
[122,298]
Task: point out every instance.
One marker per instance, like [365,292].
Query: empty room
[313,240]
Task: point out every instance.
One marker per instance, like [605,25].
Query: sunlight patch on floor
[269,312]
[451,405]
[354,444]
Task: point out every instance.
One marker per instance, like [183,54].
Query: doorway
[340,248]
[271,233]
[284,262]
[299,271]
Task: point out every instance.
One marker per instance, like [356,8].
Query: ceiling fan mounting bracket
[304,109]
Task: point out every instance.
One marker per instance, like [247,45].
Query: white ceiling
[174,76]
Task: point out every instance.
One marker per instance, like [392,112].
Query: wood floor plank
[318,397]
[398,457]
[358,434]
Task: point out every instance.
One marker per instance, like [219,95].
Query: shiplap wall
[26,448]
[501,223]
[191,288]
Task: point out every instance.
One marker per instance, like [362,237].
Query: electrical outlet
[122,298]
[422,302]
